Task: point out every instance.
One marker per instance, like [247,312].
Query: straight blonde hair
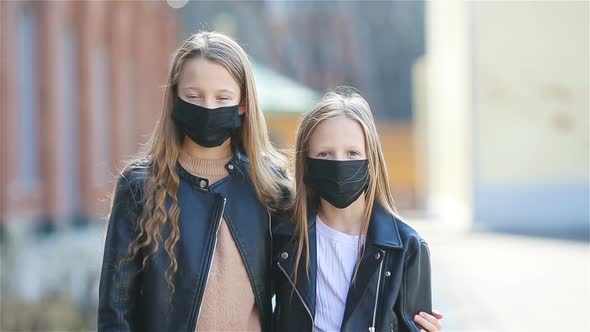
[345,101]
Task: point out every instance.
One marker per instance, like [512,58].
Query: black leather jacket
[141,301]
[392,284]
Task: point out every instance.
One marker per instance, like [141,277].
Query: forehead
[204,74]
[339,131]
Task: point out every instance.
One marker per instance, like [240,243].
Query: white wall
[531,114]
[504,126]
[446,127]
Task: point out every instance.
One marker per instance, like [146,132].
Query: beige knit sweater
[228,303]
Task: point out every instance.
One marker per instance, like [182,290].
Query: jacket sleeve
[416,288]
[118,287]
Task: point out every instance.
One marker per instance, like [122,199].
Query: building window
[101,119]
[69,124]
[28,128]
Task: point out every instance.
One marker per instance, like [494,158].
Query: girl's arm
[416,289]
[118,280]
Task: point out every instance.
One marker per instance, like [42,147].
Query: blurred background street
[482,109]
[502,282]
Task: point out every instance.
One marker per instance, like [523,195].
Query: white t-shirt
[336,258]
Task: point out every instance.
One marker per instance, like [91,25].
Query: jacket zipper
[200,294]
[298,294]
[372,328]
[273,298]
[270,232]
[250,277]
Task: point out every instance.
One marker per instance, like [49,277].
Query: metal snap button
[284,255]
[377,255]
[230,166]
[202,184]
[387,273]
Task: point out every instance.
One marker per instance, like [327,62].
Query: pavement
[499,282]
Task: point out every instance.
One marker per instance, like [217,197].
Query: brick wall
[79,102]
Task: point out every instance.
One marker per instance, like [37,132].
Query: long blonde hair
[163,148]
[348,102]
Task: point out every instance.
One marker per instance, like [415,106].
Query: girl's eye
[223,98]
[324,154]
[353,154]
[193,97]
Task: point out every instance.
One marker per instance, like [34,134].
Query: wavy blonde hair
[345,101]
[163,148]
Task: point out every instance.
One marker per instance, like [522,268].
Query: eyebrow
[192,88]
[226,91]
[349,147]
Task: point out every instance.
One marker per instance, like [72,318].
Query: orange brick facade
[96,91]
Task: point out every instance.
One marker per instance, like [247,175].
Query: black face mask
[339,182]
[208,127]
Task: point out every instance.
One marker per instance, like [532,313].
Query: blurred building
[323,44]
[503,116]
[282,100]
[81,88]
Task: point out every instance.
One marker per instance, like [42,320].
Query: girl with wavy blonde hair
[188,240]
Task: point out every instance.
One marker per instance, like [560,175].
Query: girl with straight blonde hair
[188,243]
[348,262]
